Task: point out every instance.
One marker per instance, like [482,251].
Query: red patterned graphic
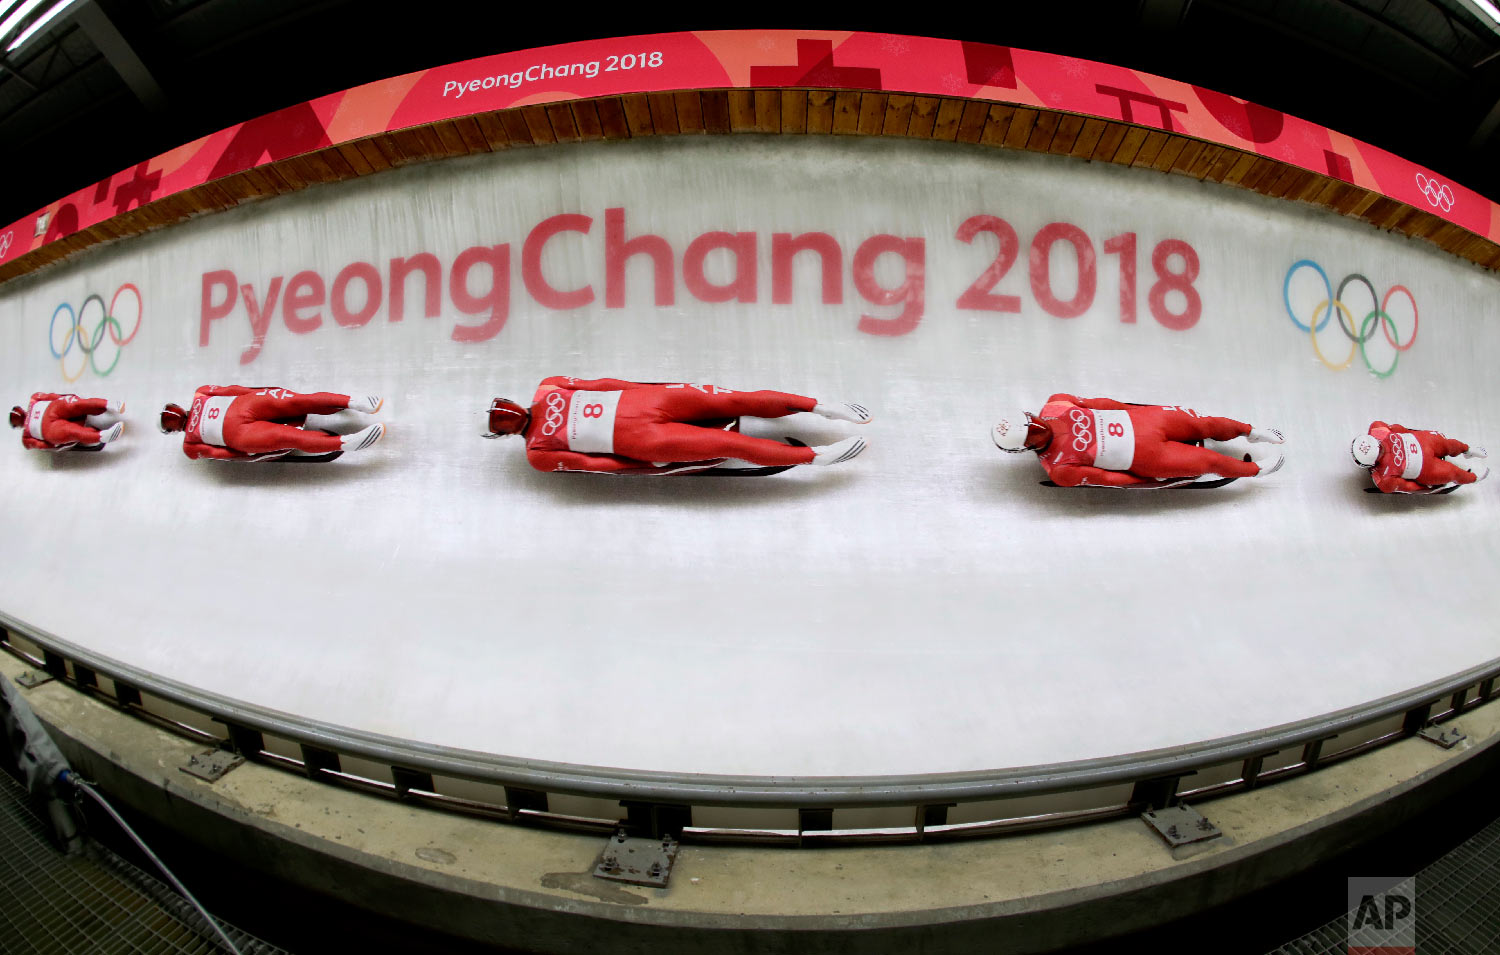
[758,58]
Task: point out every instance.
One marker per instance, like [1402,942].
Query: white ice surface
[926,608]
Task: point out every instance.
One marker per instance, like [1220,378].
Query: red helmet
[173,418]
[507,417]
[17,416]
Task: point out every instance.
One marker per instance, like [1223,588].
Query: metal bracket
[211,765]
[33,678]
[1181,825]
[637,861]
[1447,736]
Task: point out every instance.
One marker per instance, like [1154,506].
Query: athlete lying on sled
[1107,443]
[1403,461]
[606,425]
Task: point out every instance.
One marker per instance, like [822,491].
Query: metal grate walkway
[95,902]
[1457,905]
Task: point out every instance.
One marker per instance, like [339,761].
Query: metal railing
[777,810]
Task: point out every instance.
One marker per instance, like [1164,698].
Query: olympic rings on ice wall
[95,330]
[1332,303]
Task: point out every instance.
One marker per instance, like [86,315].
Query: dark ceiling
[118,81]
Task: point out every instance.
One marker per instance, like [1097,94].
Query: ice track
[926,608]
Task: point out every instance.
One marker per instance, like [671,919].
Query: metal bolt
[1172,832]
[655,870]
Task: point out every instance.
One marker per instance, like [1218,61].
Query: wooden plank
[689,111]
[273,178]
[1384,211]
[663,113]
[872,113]
[715,110]
[971,125]
[586,120]
[1042,132]
[1223,164]
[820,105]
[1109,141]
[1088,138]
[1199,165]
[794,111]
[1170,150]
[1241,167]
[1361,205]
[1192,149]
[1288,184]
[453,142]
[996,124]
[1066,137]
[336,162]
[564,126]
[1020,127]
[949,118]
[1260,170]
[637,114]
[515,127]
[469,132]
[897,115]
[924,111]
[768,111]
[1151,147]
[742,111]
[288,168]
[1312,184]
[845,113]
[431,146]
[1130,146]
[493,130]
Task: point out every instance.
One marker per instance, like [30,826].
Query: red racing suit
[233,423]
[1411,462]
[55,422]
[1099,441]
[609,425]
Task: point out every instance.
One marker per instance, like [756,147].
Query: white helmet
[1366,450]
[1010,433]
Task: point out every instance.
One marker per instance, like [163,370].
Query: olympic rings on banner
[1439,194]
[90,323]
[1379,316]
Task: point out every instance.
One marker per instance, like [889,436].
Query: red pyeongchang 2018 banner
[763,59]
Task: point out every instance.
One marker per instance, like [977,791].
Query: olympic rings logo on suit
[1438,193]
[1083,431]
[1398,455]
[1332,304]
[555,404]
[89,335]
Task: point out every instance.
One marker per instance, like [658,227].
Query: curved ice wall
[927,608]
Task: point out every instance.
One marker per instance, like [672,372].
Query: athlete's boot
[369,404]
[111,433]
[1265,436]
[844,411]
[1475,452]
[115,407]
[1276,466]
[838,452]
[360,440]
[1480,472]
